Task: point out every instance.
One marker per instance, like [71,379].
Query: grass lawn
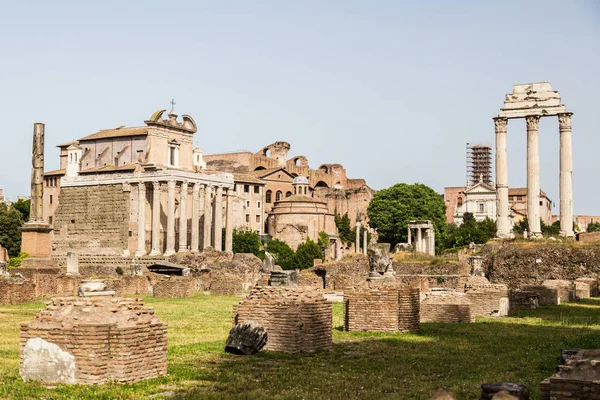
[458,357]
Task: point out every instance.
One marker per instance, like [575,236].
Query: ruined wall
[92,220]
[352,270]
[446,307]
[128,285]
[175,286]
[564,288]
[586,287]
[226,284]
[16,291]
[589,237]
[546,295]
[525,263]
[488,300]
[297,319]
[381,309]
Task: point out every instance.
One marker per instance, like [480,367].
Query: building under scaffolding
[479,164]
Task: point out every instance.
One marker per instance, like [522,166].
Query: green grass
[459,357]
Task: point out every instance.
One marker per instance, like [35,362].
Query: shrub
[306,253]
[282,253]
[119,271]
[14,262]
[246,241]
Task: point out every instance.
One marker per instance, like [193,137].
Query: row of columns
[205,198]
[533,176]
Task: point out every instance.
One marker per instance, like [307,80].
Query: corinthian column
[141,245]
[183,225]
[155,218]
[195,217]
[170,219]
[207,216]
[533,177]
[566,176]
[218,212]
[229,224]
[502,179]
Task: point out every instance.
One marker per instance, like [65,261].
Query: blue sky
[392,90]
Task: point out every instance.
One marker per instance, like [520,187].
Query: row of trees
[246,241]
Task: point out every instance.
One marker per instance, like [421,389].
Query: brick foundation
[128,285]
[226,284]
[175,286]
[578,379]
[16,291]
[586,287]
[523,300]
[388,308]
[487,300]
[297,319]
[546,295]
[565,288]
[446,306]
[111,339]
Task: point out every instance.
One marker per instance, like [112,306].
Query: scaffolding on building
[479,164]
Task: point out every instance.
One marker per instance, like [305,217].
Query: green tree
[550,230]
[391,210]
[593,227]
[342,222]
[22,206]
[306,253]
[246,241]
[282,253]
[11,221]
[470,231]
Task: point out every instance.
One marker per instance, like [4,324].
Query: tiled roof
[522,192]
[246,178]
[109,168]
[55,172]
[117,132]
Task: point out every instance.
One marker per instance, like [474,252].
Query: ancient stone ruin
[246,338]
[297,319]
[175,286]
[577,379]
[383,308]
[92,340]
[487,300]
[16,290]
[380,263]
[446,306]
[516,390]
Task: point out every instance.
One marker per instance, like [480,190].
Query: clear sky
[392,90]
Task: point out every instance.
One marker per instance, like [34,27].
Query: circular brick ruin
[297,319]
[77,340]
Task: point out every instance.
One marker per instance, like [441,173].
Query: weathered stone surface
[577,378]
[379,259]
[246,338]
[519,391]
[269,262]
[523,300]
[402,247]
[567,354]
[283,278]
[46,362]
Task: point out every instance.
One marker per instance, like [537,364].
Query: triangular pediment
[480,188]
[279,175]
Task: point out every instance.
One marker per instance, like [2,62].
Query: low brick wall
[523,300]
[586,237]
[56,285]
[487,300]
[126,345]
[310,279]
[456,282]
[565,288]
[175,286]
[226,284]
[446,306]
[128,285]
[578,379]
[16,291]
[586,287]
[546,296]
[420,282]
[297,319]
[389,308]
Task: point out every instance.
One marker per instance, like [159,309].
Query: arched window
[288,194]
[278,195]
[459,202]
[268,196]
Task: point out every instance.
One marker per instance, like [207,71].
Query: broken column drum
[94,340]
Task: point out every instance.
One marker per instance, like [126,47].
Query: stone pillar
[36,215]
[503,206]
[419,241]
[72,263]
[170,219]
[365,242]
[155,219]
[229,224]
[195,245]
[207,217]
[183,225]
[218,216]
[533,177]
[566,176]
[141,245]
[409,235]
[357,236]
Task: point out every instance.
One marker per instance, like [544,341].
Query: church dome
[300,180]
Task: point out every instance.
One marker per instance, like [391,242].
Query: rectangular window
[51,199]
[258,204]
[541,204]
[481,208]
[50,220]
[256,189]
[258,218]
[248,203]
[247,217]
[246,188]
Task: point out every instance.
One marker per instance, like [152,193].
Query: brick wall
[123,346]
[589,237]
[310,279]
[487,300]
[546,295]
[297,319]
[388,308]
[92,219]
[565,288]
[577,379]
[523,300]
[55,285]
[129,285]
[226,284]
[446,306]
[586,287]
[175,286]
[16,291]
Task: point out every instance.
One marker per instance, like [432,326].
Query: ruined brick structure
[226,284]
[175,286]
[98,339]
[586,287]
[564,288]
[546,295]
[578,379]
[385,308]
[16,291]
[446,306]
[297,319]
[487,300]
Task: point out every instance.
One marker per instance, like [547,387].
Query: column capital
[155,185]
[172,184]
[564,121]
[500,123]
[141,185]
[532,122]
[184,184]
[196,187]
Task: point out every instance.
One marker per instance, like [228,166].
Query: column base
[568,235]
[536,236]
[195,251]
[141,253]
[154,253]
[169,253]
[505,235]
[182,250]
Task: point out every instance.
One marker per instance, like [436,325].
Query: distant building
[4,199]
[582,221]
[479,164]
